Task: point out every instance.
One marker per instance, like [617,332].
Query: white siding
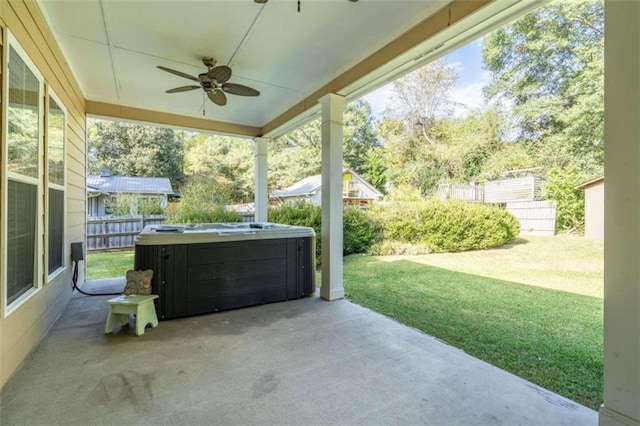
[535,217]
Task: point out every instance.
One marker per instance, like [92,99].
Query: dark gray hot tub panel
[201,278]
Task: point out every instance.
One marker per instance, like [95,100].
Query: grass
[533,308]
[566,263]
[109,264]
[549,337]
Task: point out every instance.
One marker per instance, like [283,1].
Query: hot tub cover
[218,232]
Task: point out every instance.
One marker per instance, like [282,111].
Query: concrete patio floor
[301,362]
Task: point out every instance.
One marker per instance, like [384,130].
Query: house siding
[21,329]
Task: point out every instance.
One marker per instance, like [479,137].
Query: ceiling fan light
[260,1]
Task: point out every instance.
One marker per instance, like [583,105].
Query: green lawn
[528,307]
[573,264]
[109,264]
[552,338]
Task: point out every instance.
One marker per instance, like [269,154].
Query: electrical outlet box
[77,252]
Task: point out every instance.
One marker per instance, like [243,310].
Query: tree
[510,156]
[298,154]
[203,201]
[225,161]
[294,156]
[136,150]
[463,147]
[359,135]
[561,187]
[549,65]
[401,153]
[375,171]
[423,95]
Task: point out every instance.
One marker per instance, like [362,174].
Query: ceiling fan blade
[218,97]
[221,74]
[178,73]
[239,89]
[182,89]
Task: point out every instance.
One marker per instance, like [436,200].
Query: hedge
[445,225]
[211,214]
[360,230]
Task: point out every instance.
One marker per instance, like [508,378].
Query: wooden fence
[456,191]
[516,189]
[117,232]
[535,217]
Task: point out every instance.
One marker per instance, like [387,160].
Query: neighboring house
[102,188]
[593,207]
[355,190]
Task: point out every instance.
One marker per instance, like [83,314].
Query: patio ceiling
[114,47]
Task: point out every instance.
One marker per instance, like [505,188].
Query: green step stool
[141,306]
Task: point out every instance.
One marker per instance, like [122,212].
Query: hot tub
[204,268]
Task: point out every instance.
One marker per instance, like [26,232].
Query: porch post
[260,172]
[622,215]
[332,106]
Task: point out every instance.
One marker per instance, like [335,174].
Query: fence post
[105,240]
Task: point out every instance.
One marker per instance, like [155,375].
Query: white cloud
[469,97]
[379,99]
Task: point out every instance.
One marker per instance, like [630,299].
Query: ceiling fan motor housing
[209,62]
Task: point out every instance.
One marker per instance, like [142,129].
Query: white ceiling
[114,46]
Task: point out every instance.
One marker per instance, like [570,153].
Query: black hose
[74,280]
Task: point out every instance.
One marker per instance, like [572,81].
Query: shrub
[446,225]
[561,186]
[207,214]
[360,230]
[130,204]
[203,202]
[302,213]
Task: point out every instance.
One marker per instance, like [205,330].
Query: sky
[468,90]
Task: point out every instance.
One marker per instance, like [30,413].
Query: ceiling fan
[213,82]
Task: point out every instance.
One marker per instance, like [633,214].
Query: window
[55,195]
[23,174]
[21,238]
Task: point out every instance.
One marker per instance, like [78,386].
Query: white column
[332,107]
[260,172]
[622,215]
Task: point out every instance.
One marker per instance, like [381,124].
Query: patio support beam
[332,110]
[622,216]
[105,110]
[260,172]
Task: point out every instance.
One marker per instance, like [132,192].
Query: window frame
[5,175]
[48,185]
